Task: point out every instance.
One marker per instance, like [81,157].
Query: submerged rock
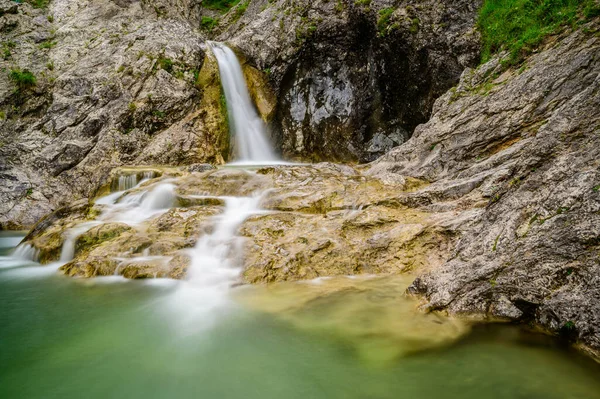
[371,315]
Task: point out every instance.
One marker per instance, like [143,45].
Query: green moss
[597,188]
[518,26]
[383,21]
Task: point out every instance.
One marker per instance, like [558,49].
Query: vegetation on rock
[220,5]
[23,79]
[518,26]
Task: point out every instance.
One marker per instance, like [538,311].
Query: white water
[131,209]
[246,127]
[24,254]
[127,182]
[68,248]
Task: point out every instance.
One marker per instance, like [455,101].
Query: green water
[66,338]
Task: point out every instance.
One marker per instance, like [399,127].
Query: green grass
[239,11]
[519,26]
[47,44]
[208,23]
[220,5]
[23,79]
[35,3]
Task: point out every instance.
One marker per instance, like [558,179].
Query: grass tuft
[23,79]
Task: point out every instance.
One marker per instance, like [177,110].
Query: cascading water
[216,264]
[131,209]
[246,127]
[127,182]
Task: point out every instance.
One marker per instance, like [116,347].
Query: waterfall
[26,252]
[247,128]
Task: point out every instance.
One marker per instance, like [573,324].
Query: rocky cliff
[515,154]
[354,78]
[89,86]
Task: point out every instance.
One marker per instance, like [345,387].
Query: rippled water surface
[338,338]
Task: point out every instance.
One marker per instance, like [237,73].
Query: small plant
[166,64]
[38,3]
[50,18]
[208,23]
[6,49]
[220,5]
[2,115]
[23,79]
[159,114]
[496,243]
[240,10]
[47,44]
[50,66]
[414,25]
[132,107]
[362,3]
[597,188]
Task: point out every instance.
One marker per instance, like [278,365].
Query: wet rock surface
[320,220]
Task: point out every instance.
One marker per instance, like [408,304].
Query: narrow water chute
[246,127]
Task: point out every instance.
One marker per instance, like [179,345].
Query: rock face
[516,152]
[119,82]
[354,79]
[115,83]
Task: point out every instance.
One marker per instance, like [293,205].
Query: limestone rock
[516,153]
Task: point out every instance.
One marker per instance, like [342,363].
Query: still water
[338,338]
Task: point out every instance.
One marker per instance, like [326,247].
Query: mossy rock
[100,234]
[213,104]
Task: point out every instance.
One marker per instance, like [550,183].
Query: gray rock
[515,156]
[115,85]
[344,75]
